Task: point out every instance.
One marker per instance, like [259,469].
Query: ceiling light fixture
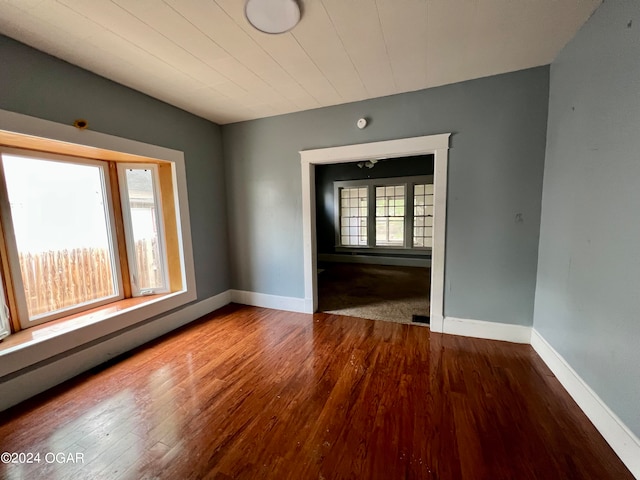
[272,16]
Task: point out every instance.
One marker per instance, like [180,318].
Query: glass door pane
[61,224]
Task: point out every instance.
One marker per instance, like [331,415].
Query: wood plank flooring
[255,393]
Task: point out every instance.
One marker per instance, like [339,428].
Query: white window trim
[39,349]
[128,226]
[438,145]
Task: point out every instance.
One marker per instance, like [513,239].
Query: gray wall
[495,173]
[326,175]
[36,84]
[588,290]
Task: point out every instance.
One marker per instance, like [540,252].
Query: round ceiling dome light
[272,16]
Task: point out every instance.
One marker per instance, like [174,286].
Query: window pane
[353,204]
[381,231]
[61,225]
[396,231]
[390,220]
[149,263]
[422,215]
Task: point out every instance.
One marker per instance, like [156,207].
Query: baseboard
[308,305]
[36,380]
[615,432]
[276,302]
[209,305]
[488,330]
[436,323]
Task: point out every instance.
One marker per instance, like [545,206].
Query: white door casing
[438,145]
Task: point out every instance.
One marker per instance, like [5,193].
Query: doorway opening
[436,146]
[374,227]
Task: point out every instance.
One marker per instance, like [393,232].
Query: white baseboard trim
[308,305]
[209,305]
[35,381]
[436,323]
[489,330]
[291,304]
[615,432]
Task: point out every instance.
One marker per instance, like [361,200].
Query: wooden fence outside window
[56,280]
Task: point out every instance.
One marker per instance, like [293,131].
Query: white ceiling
[203,56]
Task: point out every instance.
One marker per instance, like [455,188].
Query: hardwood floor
[256,393]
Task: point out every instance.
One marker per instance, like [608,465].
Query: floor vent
[420,319]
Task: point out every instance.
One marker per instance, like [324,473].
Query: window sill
[39,343]
[383,250]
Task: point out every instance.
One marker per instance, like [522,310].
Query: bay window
[78,233]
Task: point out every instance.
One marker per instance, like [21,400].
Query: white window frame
[337,188]
[136,291]
[406,219]
[413,218]
[12,248]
